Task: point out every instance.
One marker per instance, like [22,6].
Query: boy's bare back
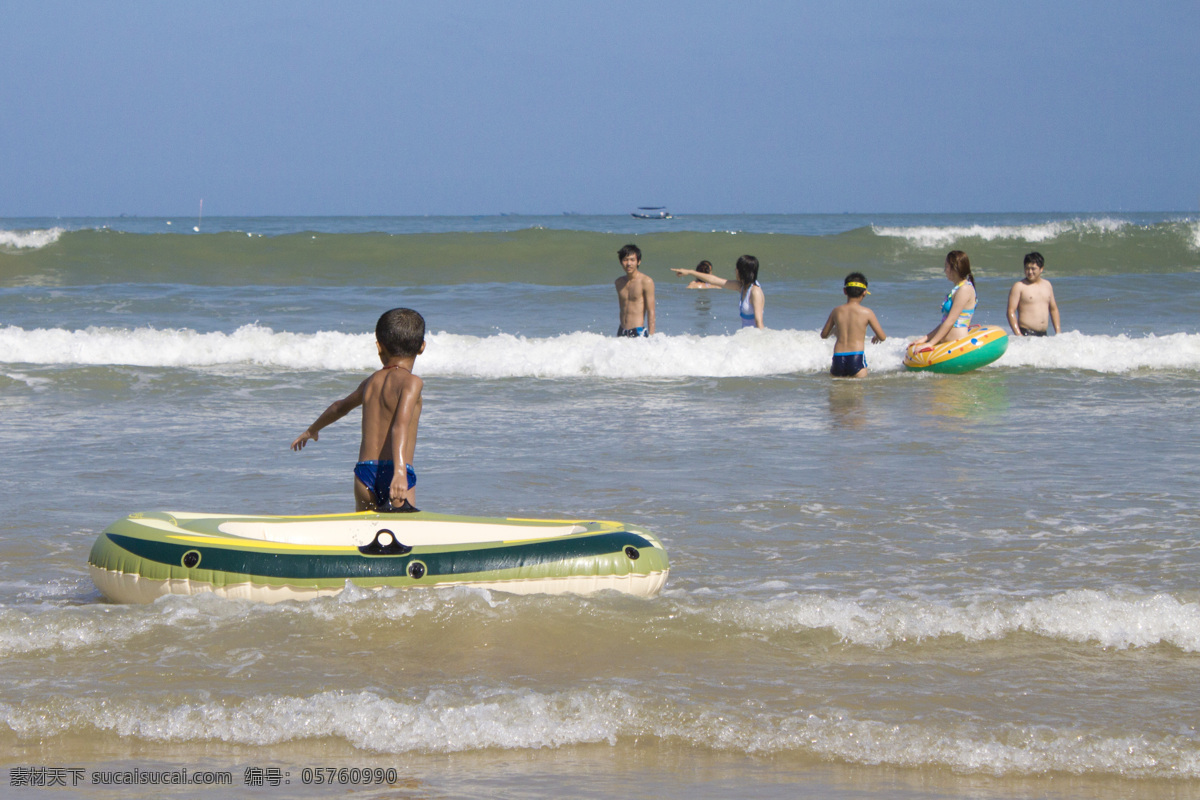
[391,395]
[851,320]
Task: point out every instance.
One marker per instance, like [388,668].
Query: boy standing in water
[851,319]
[384,479]
[1031,305]
[635,295]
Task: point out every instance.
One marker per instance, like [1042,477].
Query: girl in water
[706,268]
[750,308]
[959,304]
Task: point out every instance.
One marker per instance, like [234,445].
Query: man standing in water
[1031,306]
[635,294]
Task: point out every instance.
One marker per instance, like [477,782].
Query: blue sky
[289,108]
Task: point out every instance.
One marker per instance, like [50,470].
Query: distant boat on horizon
[652,212]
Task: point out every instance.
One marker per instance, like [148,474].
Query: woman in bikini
[750,306]
[959,304]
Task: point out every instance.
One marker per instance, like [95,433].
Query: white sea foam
[500,356]
[1080,616]
[152,347]
[943,236]
[746,353]
[35,383]
[77,627]
[46,629]
[461,718]
[573,355]
[1075,616]
[1117,354]
[29,240]
[446,721]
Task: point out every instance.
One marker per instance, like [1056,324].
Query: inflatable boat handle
[405,508]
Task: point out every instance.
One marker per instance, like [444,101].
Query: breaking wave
[572,355]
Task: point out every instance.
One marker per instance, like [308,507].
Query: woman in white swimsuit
[750,305]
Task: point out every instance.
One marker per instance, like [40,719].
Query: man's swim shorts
[1029,332]
[631,333]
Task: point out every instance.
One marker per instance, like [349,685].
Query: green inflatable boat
[148,555]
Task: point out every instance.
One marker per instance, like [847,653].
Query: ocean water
[912,585]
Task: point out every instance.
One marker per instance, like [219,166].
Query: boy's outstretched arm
[337,410]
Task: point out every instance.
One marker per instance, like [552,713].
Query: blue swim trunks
[632,333]
[377,477]
[847,365]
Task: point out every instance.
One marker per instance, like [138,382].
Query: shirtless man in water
[1031,305]
[635,294]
